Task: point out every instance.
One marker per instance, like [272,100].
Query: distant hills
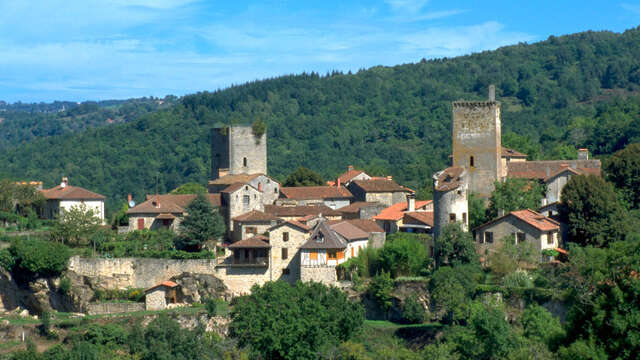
[579,90]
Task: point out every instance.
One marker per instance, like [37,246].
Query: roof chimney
[65,182]
[129,198]
[411,202]
[583,154]
[157,201]
[492,92]
[389,177]
[350,167]
[338,182]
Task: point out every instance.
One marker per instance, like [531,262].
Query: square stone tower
[237,150]
[476,142]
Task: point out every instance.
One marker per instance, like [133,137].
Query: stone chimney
[65,181]
[350,167]
[129,198]
[338,182]
[492,92]
[583,154]
[389,177]
[411,202]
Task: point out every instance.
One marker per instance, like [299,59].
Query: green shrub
[36,257]
[413,311]
[7,260]
[65,286]
[108,334]
[518,279]
[404,254]
[380,290]
[211,306]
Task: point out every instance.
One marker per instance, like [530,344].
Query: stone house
[297,212]
[157,297]
[270,188]
[163,211]
[332,196]
[509,156]
[556,182]
[348,176]
[253,251]
[285,239]
[377,236]
[64,196]
[407,216]
[355,238]
[523,225]
[320,254]
[384,191]
[361,210]
[238,199]
[252,223]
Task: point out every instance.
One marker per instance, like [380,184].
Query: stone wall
[323,274]
[156,299]
[244,145]
[236,205]
[120,273]
[113,308]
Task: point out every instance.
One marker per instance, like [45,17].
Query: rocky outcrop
[199,287]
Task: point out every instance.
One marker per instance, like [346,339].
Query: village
[304,233]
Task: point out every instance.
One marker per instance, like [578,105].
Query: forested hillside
[559,94]
[21,123]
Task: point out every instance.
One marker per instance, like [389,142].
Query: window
[352,249]
[275,190]
[488,237]
[286,271]
[244,162]
[252,230]
[452,218]
[313,255]
[464,218]
[259,186]
[285,236]
[550,238]
[332,255]
[520,237]
[471,162]
[285,253]
[166,222]
[245,200]
[140,224]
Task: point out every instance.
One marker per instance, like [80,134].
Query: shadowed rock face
[198,287]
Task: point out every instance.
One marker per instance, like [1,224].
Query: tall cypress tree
[202,223]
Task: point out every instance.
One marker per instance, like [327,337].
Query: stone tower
[450,205]
[237,150]
[476,142]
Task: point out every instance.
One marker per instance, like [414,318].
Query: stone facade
[555,186]
[286,269]
[236,150]
[241,201]
[156,299]
[450,205]
[477,143]
[270,188]
[149,221]
[384,198]
[331,203]
[322,274]
[247,229]
[113,308]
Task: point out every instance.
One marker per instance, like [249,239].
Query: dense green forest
[572,91]
[22,123]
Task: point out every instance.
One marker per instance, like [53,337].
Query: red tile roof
[424,217]
[254,242]
[168,283]
[255,215]
[165,216]
[300,211]
[543,169]
[449,178]
[506,152]
[348,175]
[315,192]
[183,200]
[395,212]
[379,185]
[170,203]
[356,206]
[530,217]
[70,193]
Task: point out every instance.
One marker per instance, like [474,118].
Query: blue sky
[97,49]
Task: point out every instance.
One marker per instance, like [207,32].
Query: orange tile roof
[150,207]
[70,193]
[315,192]
[395,212]
[257,241]
[379,185]
[168,283]
[425,217]
[543,169]
[536,220]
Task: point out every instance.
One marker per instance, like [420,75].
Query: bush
[520,279]
[39,257]
[380,290]
[65,286]
[7,260]
[211,306]
[413,311]
[404,255]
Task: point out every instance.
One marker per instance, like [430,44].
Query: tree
[541,326]
[404,255]
[623,170]
[591,209]
[413,311]
[454,247]
[303,177]
[515,194]
[75,224]
[477,211]
[282,321]
[380,289]
[164,339]
[190,188]
[202,223]
[510,256]
[33,258]
[451,288]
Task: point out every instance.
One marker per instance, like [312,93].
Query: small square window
[452,218]
[286,271]
[285,236]
[488,237]
[245,200]
[520,237]
[285,253]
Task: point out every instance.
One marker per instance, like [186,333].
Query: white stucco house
[64,196]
